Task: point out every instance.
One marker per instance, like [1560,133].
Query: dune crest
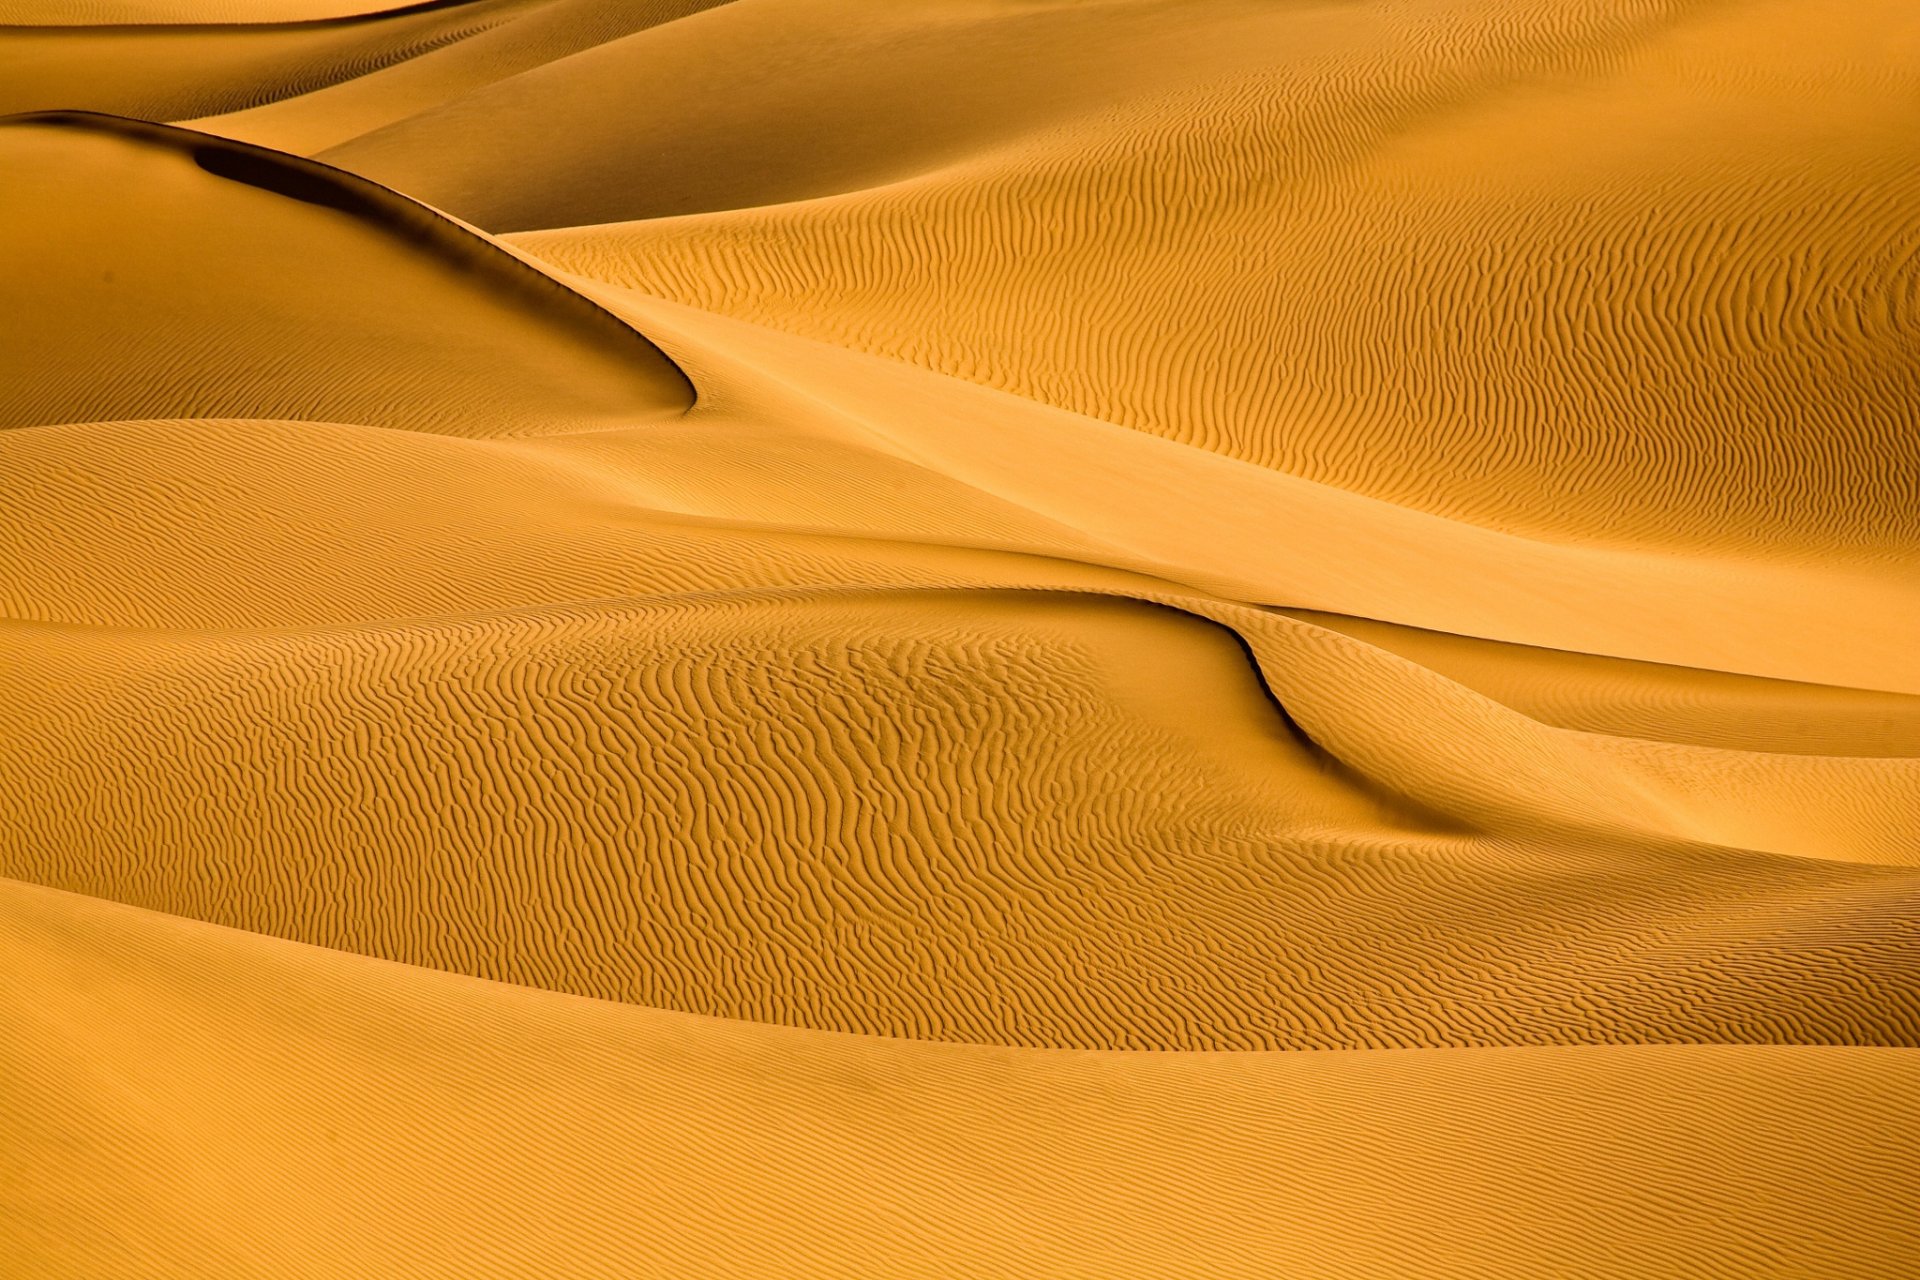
[1152,638]
[361,305]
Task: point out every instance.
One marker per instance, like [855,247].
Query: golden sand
[823,638]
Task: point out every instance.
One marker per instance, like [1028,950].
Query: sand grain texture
[959,639]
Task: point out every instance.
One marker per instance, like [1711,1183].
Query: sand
[960,639]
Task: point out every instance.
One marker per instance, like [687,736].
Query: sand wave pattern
[802,637]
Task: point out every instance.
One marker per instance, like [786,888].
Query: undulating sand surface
[830,638]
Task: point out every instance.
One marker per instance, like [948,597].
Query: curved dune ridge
[959,638]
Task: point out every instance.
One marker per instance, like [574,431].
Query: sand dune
[159,69]
[1641,273]
[798,637]
[358,305]
[392,1119]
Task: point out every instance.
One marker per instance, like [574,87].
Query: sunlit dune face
[799,637]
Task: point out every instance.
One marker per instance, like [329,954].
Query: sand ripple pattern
[793,637]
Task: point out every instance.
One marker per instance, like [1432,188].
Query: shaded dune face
[359,305]
[763,638]
[963,815]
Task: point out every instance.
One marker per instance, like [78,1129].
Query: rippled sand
[822,638]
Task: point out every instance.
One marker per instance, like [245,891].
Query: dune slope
[176,1066]
[223,280]
[797,637]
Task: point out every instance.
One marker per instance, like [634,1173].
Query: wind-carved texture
[778,638]
[1636,273]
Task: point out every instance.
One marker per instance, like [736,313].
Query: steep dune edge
[237,1106]
[1245,532]
[1641,275]
[1623,698]
[1025,817]
[229,280]
[1163,638]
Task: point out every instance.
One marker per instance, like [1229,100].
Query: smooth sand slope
[390,1120]
[798,637]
